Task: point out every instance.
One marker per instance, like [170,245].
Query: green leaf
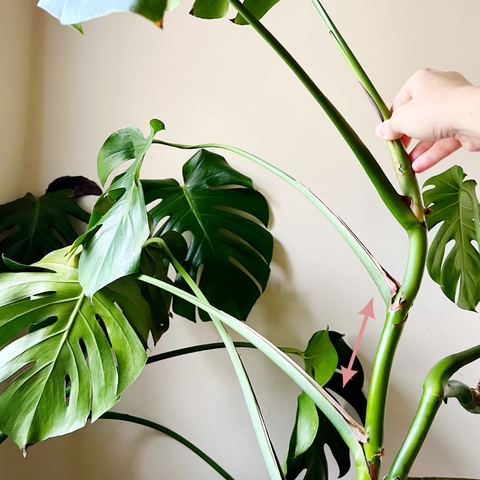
[320,357]
[306,427]
[223,212]
[257,7]
[112,244]
[71,12]
[210,8]
[325,353]
[454,205]
[352,392]
[125,144]
[27,224]
[76,366]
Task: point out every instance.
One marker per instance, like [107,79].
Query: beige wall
[213,81]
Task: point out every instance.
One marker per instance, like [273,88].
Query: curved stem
[211,346]
[386,284]
[433,394]
[160,428]
[383,186]
[265,444]
[396,318]
[347,427]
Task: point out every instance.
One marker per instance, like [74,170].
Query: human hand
[441,109]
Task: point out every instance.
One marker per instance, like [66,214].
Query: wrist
[466,108]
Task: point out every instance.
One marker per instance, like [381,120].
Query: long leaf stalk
[382,367]
[386,285]
[160,428]
[434,391]
[348,428]
[401,161]
[212,346]
[266,446]
[380,181]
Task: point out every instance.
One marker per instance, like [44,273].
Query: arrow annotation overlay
[348,373]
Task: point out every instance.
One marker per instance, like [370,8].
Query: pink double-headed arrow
[348,373]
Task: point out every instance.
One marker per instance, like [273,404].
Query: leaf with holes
[231,249]
[112,245]
[73,12]
[77,364]
[28,224]
[325,353]
[454,205]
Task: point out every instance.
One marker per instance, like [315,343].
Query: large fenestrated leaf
[73,12]
[454,205]
[227,219]
[312,431]
[118,228]
[27,224]
[76,366]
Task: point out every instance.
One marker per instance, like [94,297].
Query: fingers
[429,155]
[406,140]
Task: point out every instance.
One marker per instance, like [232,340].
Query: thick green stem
[401,161]
[160,428]
[387,286]
[212,346]
[434,389]
[383,186]
[347,427]
[396,318]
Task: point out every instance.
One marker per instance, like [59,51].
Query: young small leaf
[119,227]
[454,206]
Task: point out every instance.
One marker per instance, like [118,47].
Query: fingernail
[380,130]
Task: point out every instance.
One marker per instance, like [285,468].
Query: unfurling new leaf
[454,206]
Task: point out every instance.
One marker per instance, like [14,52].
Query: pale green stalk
[266,447]
[386,285]
[348,428]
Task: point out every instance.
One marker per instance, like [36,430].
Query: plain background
[61,95]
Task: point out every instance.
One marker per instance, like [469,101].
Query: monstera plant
[91,307]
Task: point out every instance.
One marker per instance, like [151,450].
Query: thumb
[386,131]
